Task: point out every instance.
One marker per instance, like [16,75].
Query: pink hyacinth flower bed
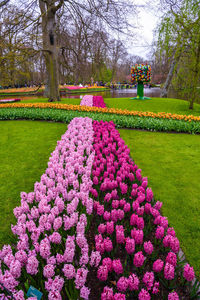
[9,100]
[92,228]
[89,100]
[98,101]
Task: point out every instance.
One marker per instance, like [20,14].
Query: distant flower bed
[71,87]
[96,101]
[9,100]
[77,87]
[92,228]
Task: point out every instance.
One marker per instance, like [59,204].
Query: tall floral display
[140,74]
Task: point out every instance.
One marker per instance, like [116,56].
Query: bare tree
[48,13]
[113,14]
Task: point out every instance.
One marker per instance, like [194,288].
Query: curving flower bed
[92,228]
[83,108]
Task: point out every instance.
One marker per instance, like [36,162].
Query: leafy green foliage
[121,121]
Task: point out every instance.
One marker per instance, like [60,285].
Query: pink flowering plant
[90,100]
[91,229]
[139,250]
[52,253]
[87,100]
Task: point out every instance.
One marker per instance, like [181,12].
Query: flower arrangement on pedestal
[140,74]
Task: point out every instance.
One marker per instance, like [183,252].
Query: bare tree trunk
[165,89]
[50,51]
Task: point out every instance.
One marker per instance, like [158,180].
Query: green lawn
[169,105]
[24,153]
[175,106]
[171,163]
[75,101]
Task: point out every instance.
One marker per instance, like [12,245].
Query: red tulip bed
[89,100]
[92,228]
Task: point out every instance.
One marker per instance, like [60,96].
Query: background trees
[178,47]
[62,41]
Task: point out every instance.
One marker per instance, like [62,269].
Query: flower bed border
[123,121]
[160,115]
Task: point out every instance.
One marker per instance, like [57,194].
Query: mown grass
[75,101]
[24,153]
[171,163]
[167,105]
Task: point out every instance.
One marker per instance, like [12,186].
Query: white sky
[147,20]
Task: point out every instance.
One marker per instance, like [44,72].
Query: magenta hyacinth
[173,296]
[158,265]
[138,259]
[169,271]
[188,272]
[144,295]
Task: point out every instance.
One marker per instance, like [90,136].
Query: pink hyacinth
[133,282]
[69,271]
[102,273]
[100,209]
[147,208]
[173,296]
[155,289]
[84,292]
[81,276]
[110,227]
[120,238]
[133,219]
[144,295]
[49,271]
[54,295]
[169,271]
[130,245]
[107,261]
[106,215]
[167,240]
[122,284]
[101,228]
[107,293]
[137,235]
[171,258]
[108,244]
[123,188]
[127,207]
[158,265]
[174,244]
[171,231]
[148,247]
[160,231]
[188,272]
[119,296]
[45,248]
[15,268]
[117,266]
[148,280]
[55,238]
[32,265]
[138,259]
[95,258]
